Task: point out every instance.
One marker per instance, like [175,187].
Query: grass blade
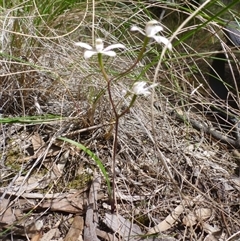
[94,157]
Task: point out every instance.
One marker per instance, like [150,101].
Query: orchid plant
[152,29]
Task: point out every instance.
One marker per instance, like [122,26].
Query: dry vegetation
[177,163]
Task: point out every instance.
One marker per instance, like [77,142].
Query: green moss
[143,219]
[80,181]
[12,159]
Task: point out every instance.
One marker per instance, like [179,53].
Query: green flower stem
[129,107]
[140,56]
[100,61]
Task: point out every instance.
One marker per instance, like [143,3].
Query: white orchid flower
[151,29]
[139,89]
[99,48]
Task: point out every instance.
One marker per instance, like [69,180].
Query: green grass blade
[94,157]
[31,119]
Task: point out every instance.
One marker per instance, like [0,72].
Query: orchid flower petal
[109,53]
[138,88]
[146,93]
[84,45]
[135,28]
[114,46]
[89,53]
[152,86]
[99,48]
[152,22]
[152,28]
[163,40]
[152,31]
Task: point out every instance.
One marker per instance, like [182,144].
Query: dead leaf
[70,203]
[106,236]
[37,141]
[190,219]
[36,236]
[37,233]
[198,215]
[210,237]
[76,230]
[6,213]
[210,229]
[91,218]
[126,229]
[51,233]
[203,213]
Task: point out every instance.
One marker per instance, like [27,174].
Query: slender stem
[100,61]
[115,141]
[128,108]
[140,56]
[114,151]
[108,83]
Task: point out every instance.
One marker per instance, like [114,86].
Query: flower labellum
[99,48]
